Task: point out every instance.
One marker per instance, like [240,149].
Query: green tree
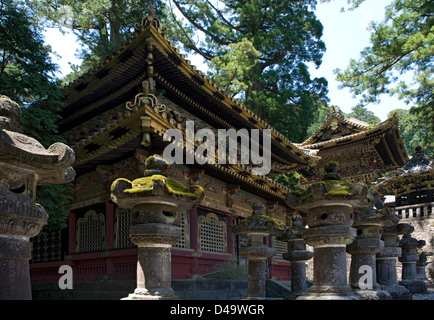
[320,117]
[26,71]
[412,134]
[399,60]
[290,179]
[276,85]
[363,114]
[230,70]
[27,77]
[101,26]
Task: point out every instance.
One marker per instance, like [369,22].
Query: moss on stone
[172,186]
[336,187]
[333,188]
[267,218]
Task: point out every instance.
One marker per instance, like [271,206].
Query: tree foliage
[363,114]
[26,71]
[276,85]
[399,60]
[320,117]
[290,180]
[27,77]
[101,26]
[412,134]
[231,69]
[257,50]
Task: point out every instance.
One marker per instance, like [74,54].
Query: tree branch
[223,18]
[192,44]
[395,61]
[269,62]
[199,27]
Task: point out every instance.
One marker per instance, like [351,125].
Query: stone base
[373,294]
[15,254]
[260,298]
[398,292]
[294,296]
[133,296]
[156,294]
[414,286]
[429,295]
[323,292]
[428,283]
[329,296]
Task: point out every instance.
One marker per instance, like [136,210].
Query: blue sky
[345,35]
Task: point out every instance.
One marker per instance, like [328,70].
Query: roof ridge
[335,112]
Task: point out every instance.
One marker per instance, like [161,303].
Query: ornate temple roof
[419,163]
[340,130]
[419,168]
[336,125]
[102,130]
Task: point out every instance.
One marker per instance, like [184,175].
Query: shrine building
[364,152]
[114,117]
[412,186]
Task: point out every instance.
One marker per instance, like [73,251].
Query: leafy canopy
[101,26]
[412,134]
[399,61]
[27,77]
[276,83]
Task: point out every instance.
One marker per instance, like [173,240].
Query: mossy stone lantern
[24,164]
[369,223]
[329,208]
[257,228]
[297,255]
[155,201]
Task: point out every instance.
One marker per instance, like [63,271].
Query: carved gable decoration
[337,125]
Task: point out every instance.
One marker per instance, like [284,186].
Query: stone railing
[420,210]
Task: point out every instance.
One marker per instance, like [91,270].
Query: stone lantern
[155,202]
[329,206]
[369,223]
[408,259]
[257,228]
[386,262]
[297,255]
[421,266]
[24,164]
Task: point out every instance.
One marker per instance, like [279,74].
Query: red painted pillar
[194,268]
[71,232]
[270,259]
[230,235]
[109,224]
[109,234]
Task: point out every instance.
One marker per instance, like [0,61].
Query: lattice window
[122,228]
[46,247]
[212,234]
[184,242]
[280,247]
[91,232]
